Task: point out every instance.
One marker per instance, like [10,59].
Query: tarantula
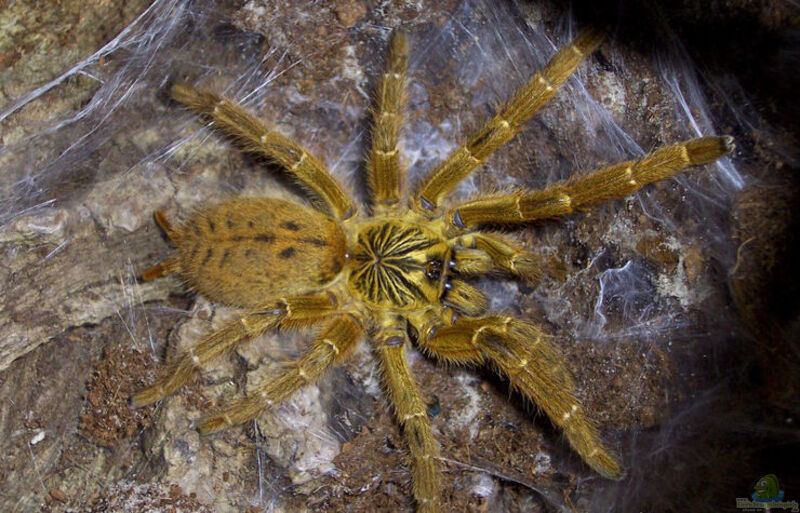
[400,274]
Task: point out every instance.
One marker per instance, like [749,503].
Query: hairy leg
[296,311]
[332,345]
[411,413]
[384,168]
[534,367]
[502,253]
[465,298]
[610,183]
[506,124]
[309,172]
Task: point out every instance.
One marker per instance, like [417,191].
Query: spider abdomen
[249,251]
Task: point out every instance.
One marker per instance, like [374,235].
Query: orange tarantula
[400,274]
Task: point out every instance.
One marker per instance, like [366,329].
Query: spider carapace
[399,265]
[400,275]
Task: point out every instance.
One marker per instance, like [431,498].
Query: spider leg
[332,345]
[465,298]
[411,413]
[289,312]
[309,172]
[523,353]
[384,166]
[610,183]
[506,124]
[502,254]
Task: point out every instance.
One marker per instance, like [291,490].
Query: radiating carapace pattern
[391,264]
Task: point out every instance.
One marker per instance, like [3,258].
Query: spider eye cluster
[433,269]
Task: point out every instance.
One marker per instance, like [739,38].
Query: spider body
[399,275]
[244,250]
[247,249]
